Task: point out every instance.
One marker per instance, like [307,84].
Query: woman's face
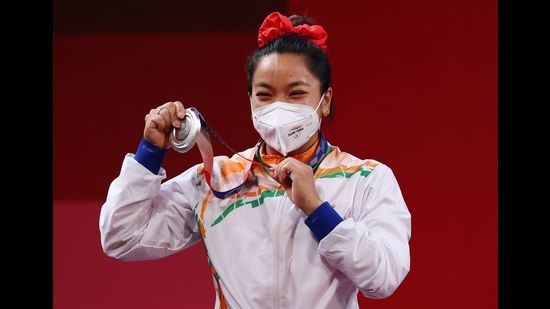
[285,78]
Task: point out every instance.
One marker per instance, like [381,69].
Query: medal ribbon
[205,147]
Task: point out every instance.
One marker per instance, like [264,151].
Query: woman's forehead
[286,68]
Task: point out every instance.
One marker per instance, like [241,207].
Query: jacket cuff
[323,220]
[150,156]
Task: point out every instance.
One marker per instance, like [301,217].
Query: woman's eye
[263,95]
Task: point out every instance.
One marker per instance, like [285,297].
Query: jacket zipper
[276,291]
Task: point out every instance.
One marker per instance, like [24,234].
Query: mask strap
[319,104]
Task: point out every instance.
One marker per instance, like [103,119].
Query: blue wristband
[150,156]
[323,220]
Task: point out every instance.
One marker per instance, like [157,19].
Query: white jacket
[261,253]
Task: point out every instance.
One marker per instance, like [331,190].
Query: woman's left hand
[297,179]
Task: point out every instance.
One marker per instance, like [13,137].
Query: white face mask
[286,126]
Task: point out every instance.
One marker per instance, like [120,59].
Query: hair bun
[297,20]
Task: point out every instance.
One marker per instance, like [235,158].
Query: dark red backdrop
[415,87]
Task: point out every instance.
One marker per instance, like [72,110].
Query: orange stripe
[258,170]
[201,216]
[231,167]
[344,168]
[223,304]
[252,193]
[371,164]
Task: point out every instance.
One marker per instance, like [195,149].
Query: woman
[308,225]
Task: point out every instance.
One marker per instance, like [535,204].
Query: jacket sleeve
[371,247]
[144,220]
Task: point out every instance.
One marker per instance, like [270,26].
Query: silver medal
[183,138]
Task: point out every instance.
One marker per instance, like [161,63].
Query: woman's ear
[325,105]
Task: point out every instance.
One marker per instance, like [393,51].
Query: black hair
[316,59]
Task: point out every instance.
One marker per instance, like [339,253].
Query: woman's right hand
[160,122]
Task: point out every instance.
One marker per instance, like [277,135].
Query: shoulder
[341,163]
[341,158]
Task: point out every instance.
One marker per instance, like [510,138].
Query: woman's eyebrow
[293,84]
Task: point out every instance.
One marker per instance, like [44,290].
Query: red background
[415,86]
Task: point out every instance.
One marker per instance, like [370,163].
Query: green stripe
[253,203]
[259,157]
[197,216]
[213,269]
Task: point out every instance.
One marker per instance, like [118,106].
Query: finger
[180,110]
[168,113]
[284,173]
[286,181]
[175,120]
[160,119]
[164,111]
[273,173]
[158,122]
[153,113]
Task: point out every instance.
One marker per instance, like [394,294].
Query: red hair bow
[275,25]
